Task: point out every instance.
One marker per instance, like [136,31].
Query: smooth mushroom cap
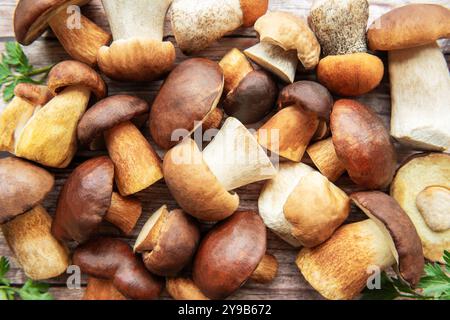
[395,223]
[189,94]
[108,113]
[309,96]
[253,10]
[363,144]
[409,26]
[229,254]
[73,73]
[84,200]
[22,186]
[195,188]
[290,33]
[31,17]
[113,259]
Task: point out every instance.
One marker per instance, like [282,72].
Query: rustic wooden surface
[289,283]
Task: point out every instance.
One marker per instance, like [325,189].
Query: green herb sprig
[434,285]
[31,290]
[15,68]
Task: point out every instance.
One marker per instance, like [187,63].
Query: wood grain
[289,283]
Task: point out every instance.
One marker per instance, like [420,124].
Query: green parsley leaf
[35,291]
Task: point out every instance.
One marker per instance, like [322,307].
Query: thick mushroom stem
[103,290]
[235,67]
[323,155]
[184,289]
[82,41]
[266,270]
[136,18]
[136,164]
[124,212]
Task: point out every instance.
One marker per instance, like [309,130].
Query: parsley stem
[37,71]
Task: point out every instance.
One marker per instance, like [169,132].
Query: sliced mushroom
[25,223]
[87,198]
[81,39]
[230,254]
[413,187]
[340,267]
[138,28]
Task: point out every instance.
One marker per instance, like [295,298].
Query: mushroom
[25,223]
[196,25]
[137,166]
[200,181]
[113,260]
[340,268]
[250,94]
[138,52]
[231,253]
[186,101]
[360,144]
[421,187]
[33,17]
[49,136]
[168,241]
[301,206]
[99,289]
[340,26]
[304,105]
[87,198]
[184,289]
[299,43]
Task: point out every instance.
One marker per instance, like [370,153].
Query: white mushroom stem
[420,91]
[236,158]
[136,18]
[275,59]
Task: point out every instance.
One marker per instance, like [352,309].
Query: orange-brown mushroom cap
[22,186]
[36,94]
[383,208]
[229,254]
[253,10]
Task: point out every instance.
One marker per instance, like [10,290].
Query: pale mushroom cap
[434,205]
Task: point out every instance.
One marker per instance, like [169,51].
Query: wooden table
[289,283]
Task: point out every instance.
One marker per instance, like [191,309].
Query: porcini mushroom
[250,94]
[301,206]
[184,289]
[197,25]
[79,36]
[187,99]
[113,260]
[49,136]
[87,198]
[231,253]
[137,166]
[340,26]
[138,52]
[291,34]
[340,268]
[25,223]
[168,241]
[304,105]
[360,144]
[421,187]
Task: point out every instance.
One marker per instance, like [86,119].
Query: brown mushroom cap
[84,200]
[363,144]
[37,95]
[189,94]
[384,210]
[74,73]
[229,254]
[252,10]
[113,259]
[309,96]
[31,17]
[22,186]
[108,113]
[253,98]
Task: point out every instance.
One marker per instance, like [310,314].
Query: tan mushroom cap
[195,188]
[31,17]
[407,248]
[290,33]
[22,187]
[73,73]
[409,26]
[412,178]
